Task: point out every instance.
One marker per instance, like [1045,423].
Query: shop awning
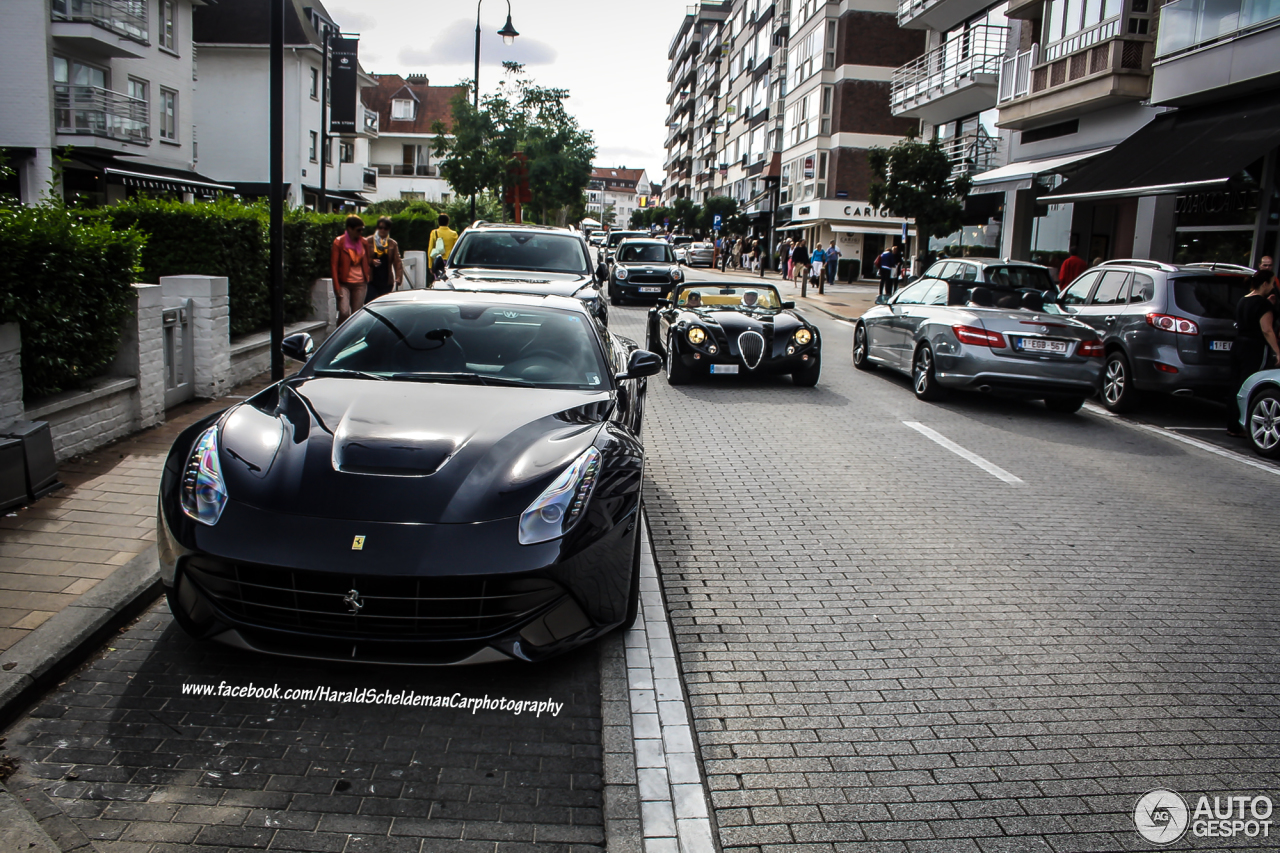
[1192,149]
[351,196]
[145,176]
[1020,175]
[871,229]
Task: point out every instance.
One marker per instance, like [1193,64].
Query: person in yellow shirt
[441,245]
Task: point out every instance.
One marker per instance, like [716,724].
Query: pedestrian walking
[1256,346]
[785,269]
[885,267]
[349,266]
[1070,269]
[832,265]
[818,258]
[755,255]
[387,269]
[441,242]
[799,260]
[899,267]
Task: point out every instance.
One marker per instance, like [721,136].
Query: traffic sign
[715,222]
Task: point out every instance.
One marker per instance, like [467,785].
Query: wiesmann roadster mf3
[451,478]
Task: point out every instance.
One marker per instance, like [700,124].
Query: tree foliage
[913,179]
[520,116]
[724,205]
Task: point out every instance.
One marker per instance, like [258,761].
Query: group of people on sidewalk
[365,268]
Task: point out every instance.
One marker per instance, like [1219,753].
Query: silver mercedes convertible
[981,337]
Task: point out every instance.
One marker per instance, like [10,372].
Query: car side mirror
[664,303]
[882,300]
[788,305]
[642,363]
[298,347]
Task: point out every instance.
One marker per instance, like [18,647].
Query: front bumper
[438,594]
[701,362]
[632,290]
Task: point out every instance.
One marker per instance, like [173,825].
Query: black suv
[534,259]
[643,269]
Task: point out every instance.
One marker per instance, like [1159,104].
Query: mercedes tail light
[978,337]
[1169,323]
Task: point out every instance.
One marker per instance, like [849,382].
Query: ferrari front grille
[370,606]
[751,345]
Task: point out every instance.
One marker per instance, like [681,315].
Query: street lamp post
[508,34]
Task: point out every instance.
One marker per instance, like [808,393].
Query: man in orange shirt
[1071,269]
[349,264]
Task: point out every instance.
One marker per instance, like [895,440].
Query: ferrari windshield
[646,253]
[732,296]
[535,251]
[475,343]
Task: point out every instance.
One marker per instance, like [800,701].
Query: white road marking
[1095,409]
[991,468]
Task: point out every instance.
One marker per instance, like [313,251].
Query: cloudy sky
[610,54]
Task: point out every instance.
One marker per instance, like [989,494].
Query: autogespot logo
[1161,816]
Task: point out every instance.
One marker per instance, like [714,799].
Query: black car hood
[404,451]
[517,281]
[737,322]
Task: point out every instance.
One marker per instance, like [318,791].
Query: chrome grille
[406,608]
[751,346]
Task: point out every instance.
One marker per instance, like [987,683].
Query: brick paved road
[139,767]
[888,648]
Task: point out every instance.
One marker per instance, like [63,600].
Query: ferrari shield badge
[357,544]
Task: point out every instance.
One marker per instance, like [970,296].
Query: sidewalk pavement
[73,560]
[842,301]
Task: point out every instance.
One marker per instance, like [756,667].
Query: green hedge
[67,282]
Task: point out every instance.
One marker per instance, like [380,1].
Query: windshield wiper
[460,377]
[345,371]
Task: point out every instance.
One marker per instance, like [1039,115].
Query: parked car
[1259,403]
[1018,275]
[643,269]
[972,336]
[525,259]
[708,329]
[1165,328]
[696,254]
[451,478]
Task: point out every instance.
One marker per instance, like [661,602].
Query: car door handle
[1111,319]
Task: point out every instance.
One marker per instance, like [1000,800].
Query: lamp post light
[508,34]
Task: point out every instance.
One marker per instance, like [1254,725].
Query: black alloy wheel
[1063,405]
[923,378]
[1118,393]
[860,349]
[677,372]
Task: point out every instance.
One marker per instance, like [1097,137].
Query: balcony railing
[90,111]
[407,170]
[972,153]
[977,51]
[1188,23]
[1026,75]
[1015,75]
[123,17]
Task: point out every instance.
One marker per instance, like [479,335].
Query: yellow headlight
[803,337]
[697,335]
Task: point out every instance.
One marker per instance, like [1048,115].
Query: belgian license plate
[1220,346]
[1042,345]
[724,368]
[651,290]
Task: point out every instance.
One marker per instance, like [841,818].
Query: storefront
[861,232]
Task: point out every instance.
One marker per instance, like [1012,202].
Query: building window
[315,141]
[410,195]
[402,109]
[347,152]
[831,45]
[315,84]
[828,93]
[169,115]
[168,24]
[137,89]
[328,151]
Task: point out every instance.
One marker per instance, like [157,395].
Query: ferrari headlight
[620,273]
[696,335]
[803,337]
[204,495]
[558,508]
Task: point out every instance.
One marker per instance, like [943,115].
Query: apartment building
[692,100]
[626,190]
[232,116]
[407,109]
[840,62]
[1200,181]
[952,89]
[111,82]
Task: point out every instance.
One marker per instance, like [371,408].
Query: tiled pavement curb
[51,650]
[673,799]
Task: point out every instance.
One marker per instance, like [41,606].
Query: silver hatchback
[970,336]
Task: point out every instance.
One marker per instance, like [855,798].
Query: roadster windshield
[484,344]
[534,251]
[733,296]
